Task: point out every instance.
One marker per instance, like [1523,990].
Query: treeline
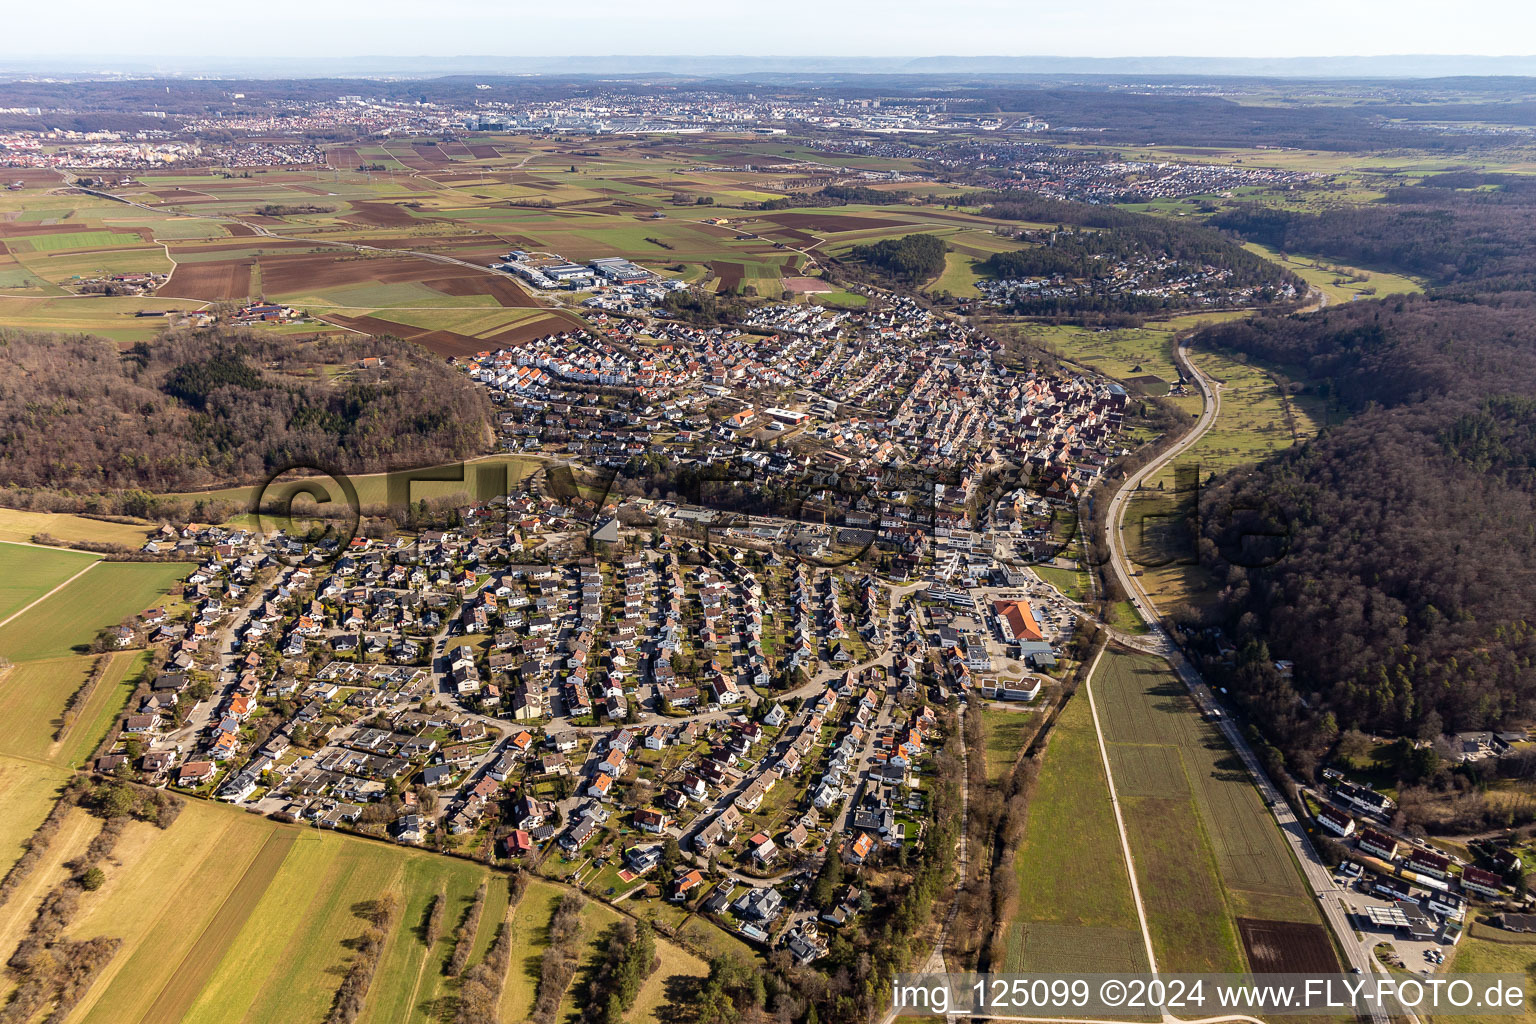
[464,937]
[292,209]
[352,993]
[35,846]
[80,696]
[703,308]
[1451,230]
[480,994]
[558,965]
[628,959]
[838,195]
[1387,557]
[194,409]
[909,258]
[53,972]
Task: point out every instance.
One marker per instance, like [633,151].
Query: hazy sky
[1096,28]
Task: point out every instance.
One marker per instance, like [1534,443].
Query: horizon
[728,65]
[1109,29]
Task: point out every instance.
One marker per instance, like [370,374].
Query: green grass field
[27,573]
[1075,910]
[1206,848]
[1073,584]
[71,618]
[959,276]
[530,937]
[1338,281]
[1257,420]
[1475,955]
[82,240]
[1007,733]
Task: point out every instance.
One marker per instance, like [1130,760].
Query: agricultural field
[1206,849]
[27,573]
[28,791]
[33,696]
[212,932]
[20,526]
[103,596]
[115,317]
[1075,911]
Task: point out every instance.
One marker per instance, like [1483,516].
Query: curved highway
[1330,895]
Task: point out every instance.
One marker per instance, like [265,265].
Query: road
[1330,897]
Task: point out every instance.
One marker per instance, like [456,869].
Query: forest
[206,408]
[1472,232]
[909,258]
[1391,558]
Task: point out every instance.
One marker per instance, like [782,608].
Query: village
[656,695]
[683,719]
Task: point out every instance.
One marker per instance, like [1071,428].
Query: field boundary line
[152,1011]
[1114,803]
[22,611]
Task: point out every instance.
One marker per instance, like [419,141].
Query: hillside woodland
[1392,558]
[209,408]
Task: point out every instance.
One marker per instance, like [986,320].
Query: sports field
[1206,849]
[70,619]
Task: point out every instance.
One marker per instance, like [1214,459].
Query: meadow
[70,619]
[1206,849]
[1009,729]
[1075,910]
[33,695]
[27,573]
[19,525]
[1258,419]
[1337,281]
[1474,955]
